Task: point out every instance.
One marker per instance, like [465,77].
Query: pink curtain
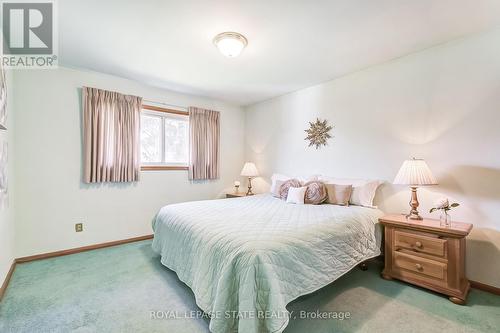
[111,136]
[204,133]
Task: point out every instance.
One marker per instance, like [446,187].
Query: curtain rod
[166,104]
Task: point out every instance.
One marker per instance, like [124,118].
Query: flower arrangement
[443,205]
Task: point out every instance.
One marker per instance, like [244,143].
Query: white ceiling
[292,44]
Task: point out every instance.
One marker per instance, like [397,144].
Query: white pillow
[275,177]
[363,192]
[304,180]
[296,195]
[343,181]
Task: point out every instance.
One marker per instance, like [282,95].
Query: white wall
[7,229]
[50,195]
[442,104]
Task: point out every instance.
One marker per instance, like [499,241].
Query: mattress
[246,258]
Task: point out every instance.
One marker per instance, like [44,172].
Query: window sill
[162,167]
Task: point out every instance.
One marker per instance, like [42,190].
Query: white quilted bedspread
[246,258]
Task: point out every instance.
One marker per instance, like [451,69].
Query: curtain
[111,136]
[204,133]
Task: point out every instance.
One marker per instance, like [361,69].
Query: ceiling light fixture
[230,44]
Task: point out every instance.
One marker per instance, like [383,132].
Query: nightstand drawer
[431,268]
[420,243]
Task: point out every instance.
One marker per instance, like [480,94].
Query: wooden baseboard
[7,279]
[64,253]
[485,287]
[474,284]
[81,249]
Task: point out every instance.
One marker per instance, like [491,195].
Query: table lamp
[249,170]
[414,172]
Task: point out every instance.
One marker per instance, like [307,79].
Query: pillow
[304,180]
[363,192]
[277,186]
[296,195]
[276,177]
[286,186]
[363,195]
[280,177]
[339,194]
[343,181]
[316,192]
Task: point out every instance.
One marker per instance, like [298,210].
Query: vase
[445,219]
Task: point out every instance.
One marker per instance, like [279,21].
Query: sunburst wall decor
[318,133]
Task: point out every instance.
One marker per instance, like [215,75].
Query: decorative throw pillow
[276,177]
[316,192]
[296,195]
[339,194]
[277,187]
[286,185]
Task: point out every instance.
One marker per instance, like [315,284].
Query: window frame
[153,110]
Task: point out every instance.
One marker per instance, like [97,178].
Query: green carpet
[115,289]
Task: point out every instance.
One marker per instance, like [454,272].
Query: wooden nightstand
[236,195]
[427,255]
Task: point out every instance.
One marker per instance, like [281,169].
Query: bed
[246,258]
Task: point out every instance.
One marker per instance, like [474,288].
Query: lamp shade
[415,172]
[249,170]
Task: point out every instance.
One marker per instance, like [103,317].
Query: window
[164,139]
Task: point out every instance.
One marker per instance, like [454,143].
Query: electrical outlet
[79,227]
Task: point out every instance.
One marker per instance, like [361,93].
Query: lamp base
[414,215]
[249,192]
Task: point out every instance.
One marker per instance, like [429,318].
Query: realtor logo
[29,34]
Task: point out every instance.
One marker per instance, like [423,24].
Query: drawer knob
[418,244]
[419,267]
